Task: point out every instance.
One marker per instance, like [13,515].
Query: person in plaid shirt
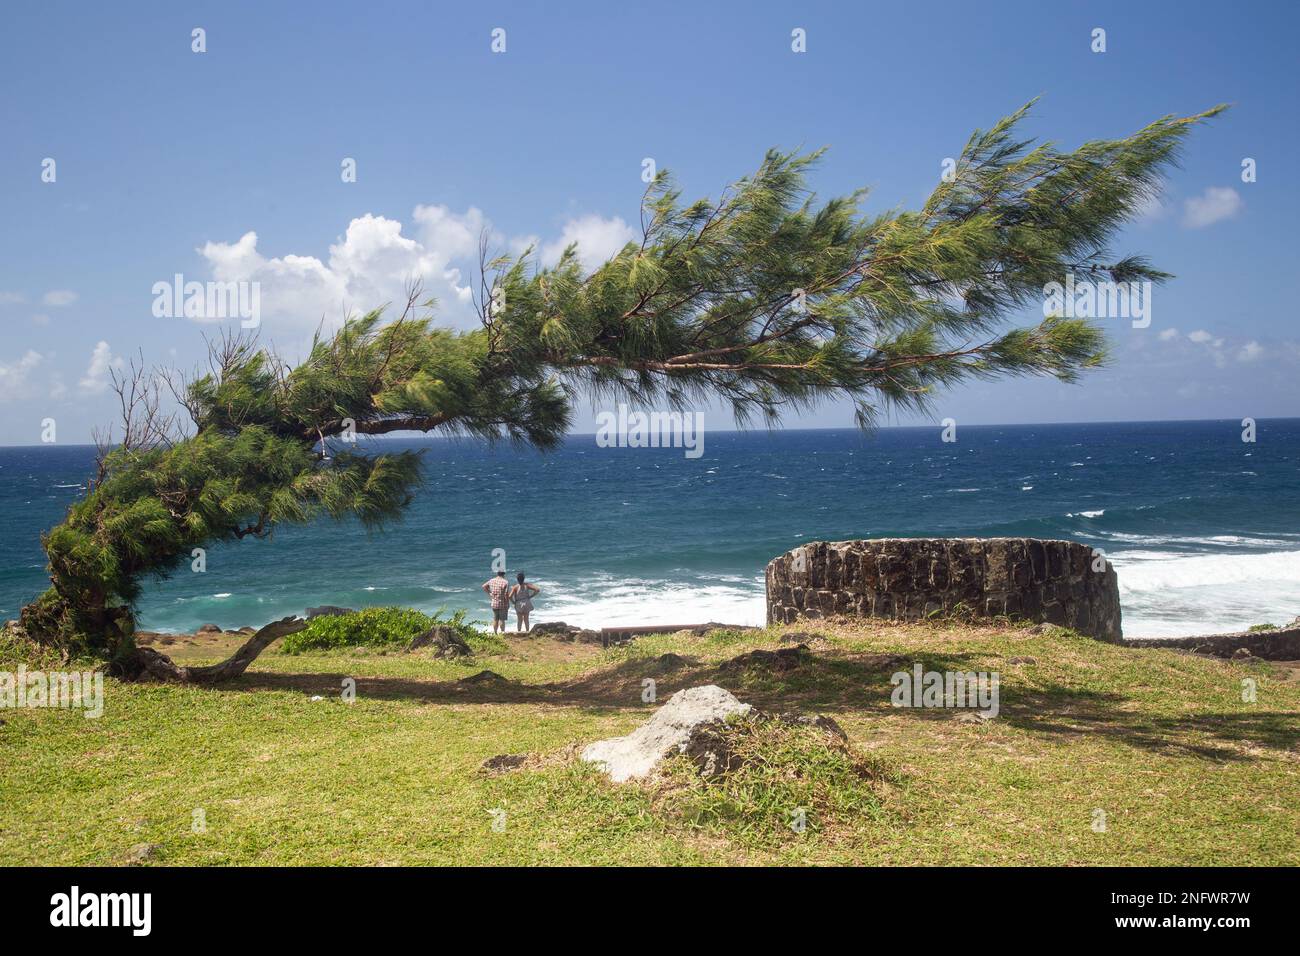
[498,589]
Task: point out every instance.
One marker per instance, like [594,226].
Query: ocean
[1203,528]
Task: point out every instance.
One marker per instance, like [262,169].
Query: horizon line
[407,436]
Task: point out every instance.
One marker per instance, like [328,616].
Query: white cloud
[57,388]
[96,379]
[1250,351]
[372,262]
[13,377]
[1215,204]
[12,298]
[59,297]
[598,239]
[450,237]
[1222,351]
[368,266]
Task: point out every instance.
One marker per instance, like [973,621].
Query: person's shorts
[500,614]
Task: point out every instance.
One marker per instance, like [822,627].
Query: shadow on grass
[1073,714]
[838,682]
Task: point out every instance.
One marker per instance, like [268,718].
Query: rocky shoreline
[1275,644]
[555,630]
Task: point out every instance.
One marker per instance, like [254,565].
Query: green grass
[1185,770]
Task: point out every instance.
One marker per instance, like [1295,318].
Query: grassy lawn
[1185,771]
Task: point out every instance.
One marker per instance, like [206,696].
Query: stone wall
[914,578]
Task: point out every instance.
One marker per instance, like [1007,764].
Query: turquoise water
[1203,528]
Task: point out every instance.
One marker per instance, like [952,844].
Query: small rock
[141,853]
[568,632]
[484,677]
[801,637]
[504,762]
[820,721]
[669,729]
[785,659]
[710,744]
[1242,654]
[247,630]
[209,629]
[973,717]
[447,642]
[318,697]
[669,662]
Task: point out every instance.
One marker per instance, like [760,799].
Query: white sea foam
[1165,594]
[1278,541]
[613,603]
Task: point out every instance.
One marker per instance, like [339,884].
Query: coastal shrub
[1261,627]
[373,627]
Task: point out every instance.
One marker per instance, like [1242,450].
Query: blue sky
[173,161]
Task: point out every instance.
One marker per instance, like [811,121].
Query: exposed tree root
[144,663]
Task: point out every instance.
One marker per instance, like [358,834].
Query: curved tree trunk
[144,663]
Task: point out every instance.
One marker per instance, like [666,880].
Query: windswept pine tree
[763,299]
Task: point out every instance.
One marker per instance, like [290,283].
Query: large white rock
[669,729]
